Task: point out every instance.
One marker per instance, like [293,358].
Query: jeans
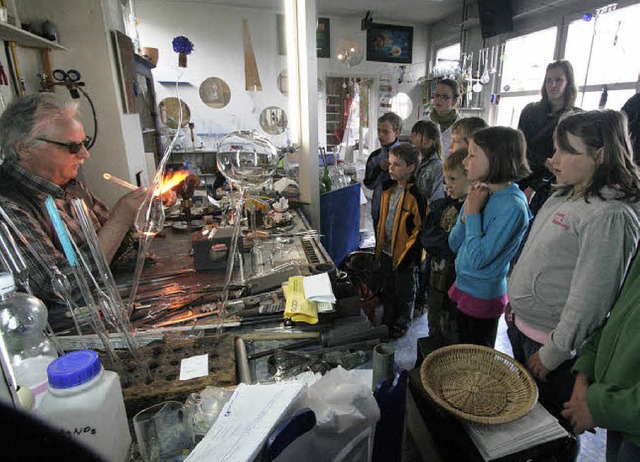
[629,451]
[477,331]
[558,386]
[398,296]
[620,448]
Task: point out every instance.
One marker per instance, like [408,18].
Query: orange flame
[172,179]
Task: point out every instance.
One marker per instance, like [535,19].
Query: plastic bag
[203,408]
[345,411]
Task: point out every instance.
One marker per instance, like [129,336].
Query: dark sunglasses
[73,147]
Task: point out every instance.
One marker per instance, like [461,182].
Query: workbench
[170,286]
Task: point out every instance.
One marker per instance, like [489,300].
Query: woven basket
[478,383]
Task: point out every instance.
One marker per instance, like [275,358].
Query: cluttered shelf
[24,38]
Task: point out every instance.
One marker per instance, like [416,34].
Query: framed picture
[389,43]
[123,48]
[323,41]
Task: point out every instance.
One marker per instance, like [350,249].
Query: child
[608,376]
[425,135]
[397,249]
[578,251]
[491,224]
[462,130]
[442,215]
[377,167]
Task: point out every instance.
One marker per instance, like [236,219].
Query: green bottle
[326,179]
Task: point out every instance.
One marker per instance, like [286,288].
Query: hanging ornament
[350,52]
[183,46]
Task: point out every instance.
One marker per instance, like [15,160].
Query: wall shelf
[23,38]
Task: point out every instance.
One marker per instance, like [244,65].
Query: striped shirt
[23,196]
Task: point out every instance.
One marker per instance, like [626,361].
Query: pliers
[3,77]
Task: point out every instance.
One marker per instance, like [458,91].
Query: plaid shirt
[23,196]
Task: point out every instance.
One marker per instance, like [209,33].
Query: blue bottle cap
[72,369]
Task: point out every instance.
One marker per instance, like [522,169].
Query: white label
[196,366]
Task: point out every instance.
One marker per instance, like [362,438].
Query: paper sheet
[495,441]
[246,421]
[317,288]
[193,367]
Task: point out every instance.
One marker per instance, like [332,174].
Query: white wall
[216,32]
[84,27]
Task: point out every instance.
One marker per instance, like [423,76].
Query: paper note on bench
[317,288]
[535,428]
[246,421]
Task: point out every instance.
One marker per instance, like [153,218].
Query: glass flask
[23,318]
[247,158]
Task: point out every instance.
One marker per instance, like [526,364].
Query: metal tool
[242,361]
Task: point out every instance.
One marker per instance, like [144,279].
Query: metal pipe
[242,362]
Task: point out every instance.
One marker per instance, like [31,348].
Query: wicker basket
[478,383]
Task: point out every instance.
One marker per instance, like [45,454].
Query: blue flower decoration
[182,44]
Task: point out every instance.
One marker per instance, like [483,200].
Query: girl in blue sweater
[488,231]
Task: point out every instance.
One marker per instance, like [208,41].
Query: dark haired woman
[538,121]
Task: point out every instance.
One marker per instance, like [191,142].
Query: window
[604,51]
[524,65]
[447,61]
[525,60]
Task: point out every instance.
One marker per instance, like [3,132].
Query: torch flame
[171,180]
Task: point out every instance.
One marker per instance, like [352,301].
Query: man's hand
[126,208]
[169,198]
[476,199]
[537,368]
[384,164]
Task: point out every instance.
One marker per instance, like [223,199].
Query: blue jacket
[488,242]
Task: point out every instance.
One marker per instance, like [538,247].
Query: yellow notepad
[297,307]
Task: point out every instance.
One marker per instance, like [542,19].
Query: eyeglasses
[442,97]
[73,147]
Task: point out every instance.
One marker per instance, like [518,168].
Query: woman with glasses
[444,112]
[43,145]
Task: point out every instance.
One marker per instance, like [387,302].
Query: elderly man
[43,144]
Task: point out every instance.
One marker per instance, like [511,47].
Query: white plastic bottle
[86,402]
[23,318]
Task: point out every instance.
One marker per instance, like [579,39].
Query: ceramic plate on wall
[169,112]
[273,120]
[215,93]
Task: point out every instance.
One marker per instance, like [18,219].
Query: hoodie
[571,269]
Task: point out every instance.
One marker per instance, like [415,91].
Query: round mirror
[170,112]
[401,104]
[283,82]
[349,52]
[273,120]
[215,92]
